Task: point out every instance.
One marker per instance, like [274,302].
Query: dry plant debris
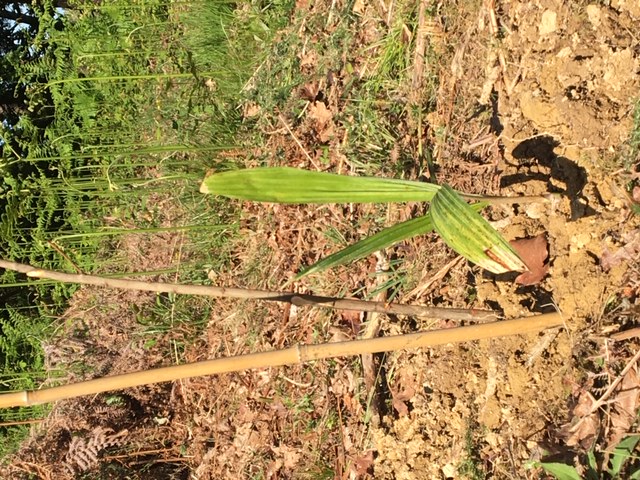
[534,252]
[84,452]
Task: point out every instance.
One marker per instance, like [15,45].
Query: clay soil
[530,97]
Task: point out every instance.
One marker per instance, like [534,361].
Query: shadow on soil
[538,161]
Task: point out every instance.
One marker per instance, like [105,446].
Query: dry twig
[295,139]
[297,299]
[370,367]
[421,46]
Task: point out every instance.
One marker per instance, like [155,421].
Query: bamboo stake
[293,355]
[297,299]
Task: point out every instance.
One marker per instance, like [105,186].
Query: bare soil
[533,97]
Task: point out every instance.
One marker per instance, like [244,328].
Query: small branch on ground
[421,46]
[605,396]
[297,299]
[295,139]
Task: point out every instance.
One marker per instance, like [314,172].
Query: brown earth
[534,97]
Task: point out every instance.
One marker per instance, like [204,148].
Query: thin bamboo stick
[289,356]
[297,299]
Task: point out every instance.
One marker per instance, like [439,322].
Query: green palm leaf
[294,185]
[459,224]
[383,239]
[470,235]
[368,245]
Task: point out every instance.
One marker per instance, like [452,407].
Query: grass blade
[373,243]
[622,452]
[293,185]
[561,471]
[469,234]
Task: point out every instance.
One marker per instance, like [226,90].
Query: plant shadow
[538,161]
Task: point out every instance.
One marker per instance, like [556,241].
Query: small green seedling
[458,223]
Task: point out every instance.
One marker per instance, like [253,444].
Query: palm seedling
[456,221]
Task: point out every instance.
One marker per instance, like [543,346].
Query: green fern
[20,349]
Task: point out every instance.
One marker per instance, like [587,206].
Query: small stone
[548,23]
[595,15]
[535,210]
[449,470]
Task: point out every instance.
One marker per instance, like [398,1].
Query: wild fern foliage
[20,349]
[84,452]
[122,100]
[83,110]
[80,119]
[111,91]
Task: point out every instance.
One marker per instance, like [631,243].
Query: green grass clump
[127,105]
[471,466]
[631,161]
[227,40]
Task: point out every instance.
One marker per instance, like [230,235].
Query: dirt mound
[560,87]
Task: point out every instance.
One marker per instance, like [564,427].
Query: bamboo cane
[294,355]
[297,299]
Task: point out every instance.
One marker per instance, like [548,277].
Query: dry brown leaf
[323,120]
[624,407]
[403,391]
[251,110]
[589,423]
[319,112]
[352,320]
[274,468]
[289,455]
[338,335]
[628,252]
[343,382]
[310,91]
[359,7]
[362,464]
[534,252]
[399,400]
[308,60]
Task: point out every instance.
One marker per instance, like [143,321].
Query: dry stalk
[21,422]
[295,139]
[371,367]
[424,286]
[296,299]
[290,356]
[495,32]
[626,334]
[421,46]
